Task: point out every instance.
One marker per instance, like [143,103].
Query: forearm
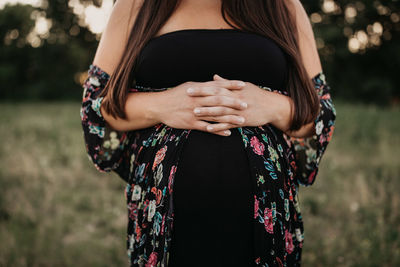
[282,118]
[141,108]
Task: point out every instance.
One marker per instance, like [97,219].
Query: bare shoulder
[307,43]
[115,36]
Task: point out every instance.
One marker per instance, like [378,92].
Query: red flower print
[162,225]
[256,205]
[278,260]
[132,207]
[159,195]
[154,190]
[293,164]
[257,146]
[138,232]
[311,177]
[330,133]
[288,242]
[322,139]
[326,96]
[152,260]
[159,157]
[170,179]
[268,221]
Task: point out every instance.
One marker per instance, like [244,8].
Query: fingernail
[190,90]
[197,110]
[243,105]
[241,120]
[227,132]
[209,128]
[241,84]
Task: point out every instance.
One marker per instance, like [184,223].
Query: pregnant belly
[213,200]
[213,167]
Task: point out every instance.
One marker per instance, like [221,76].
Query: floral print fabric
[309,151]
[147,160]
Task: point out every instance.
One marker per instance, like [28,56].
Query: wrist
[282,112]
[155,110]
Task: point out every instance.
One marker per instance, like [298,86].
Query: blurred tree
[15,25]
[46,50]
[359,42]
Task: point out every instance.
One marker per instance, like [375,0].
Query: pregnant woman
[213,113]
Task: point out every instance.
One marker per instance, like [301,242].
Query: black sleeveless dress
[213,191]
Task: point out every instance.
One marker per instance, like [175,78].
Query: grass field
[56,209]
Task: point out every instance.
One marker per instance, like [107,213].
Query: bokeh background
[56,209]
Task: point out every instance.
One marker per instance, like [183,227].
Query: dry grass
[56,209]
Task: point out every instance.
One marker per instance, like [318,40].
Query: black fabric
[213,203]
[213,194]
[197,54]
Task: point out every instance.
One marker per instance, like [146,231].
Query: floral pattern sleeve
[309,151]
[108,149]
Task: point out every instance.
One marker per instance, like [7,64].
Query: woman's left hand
[262,107]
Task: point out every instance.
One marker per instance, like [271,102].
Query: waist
[206,143]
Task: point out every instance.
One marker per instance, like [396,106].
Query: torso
[216,183]
[196,42]
[196,55]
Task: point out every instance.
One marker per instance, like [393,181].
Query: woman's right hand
[175,107]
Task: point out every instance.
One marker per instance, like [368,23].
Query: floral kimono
[147,160]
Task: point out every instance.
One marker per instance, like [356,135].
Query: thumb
[218,78]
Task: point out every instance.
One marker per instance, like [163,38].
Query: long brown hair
[272,19]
